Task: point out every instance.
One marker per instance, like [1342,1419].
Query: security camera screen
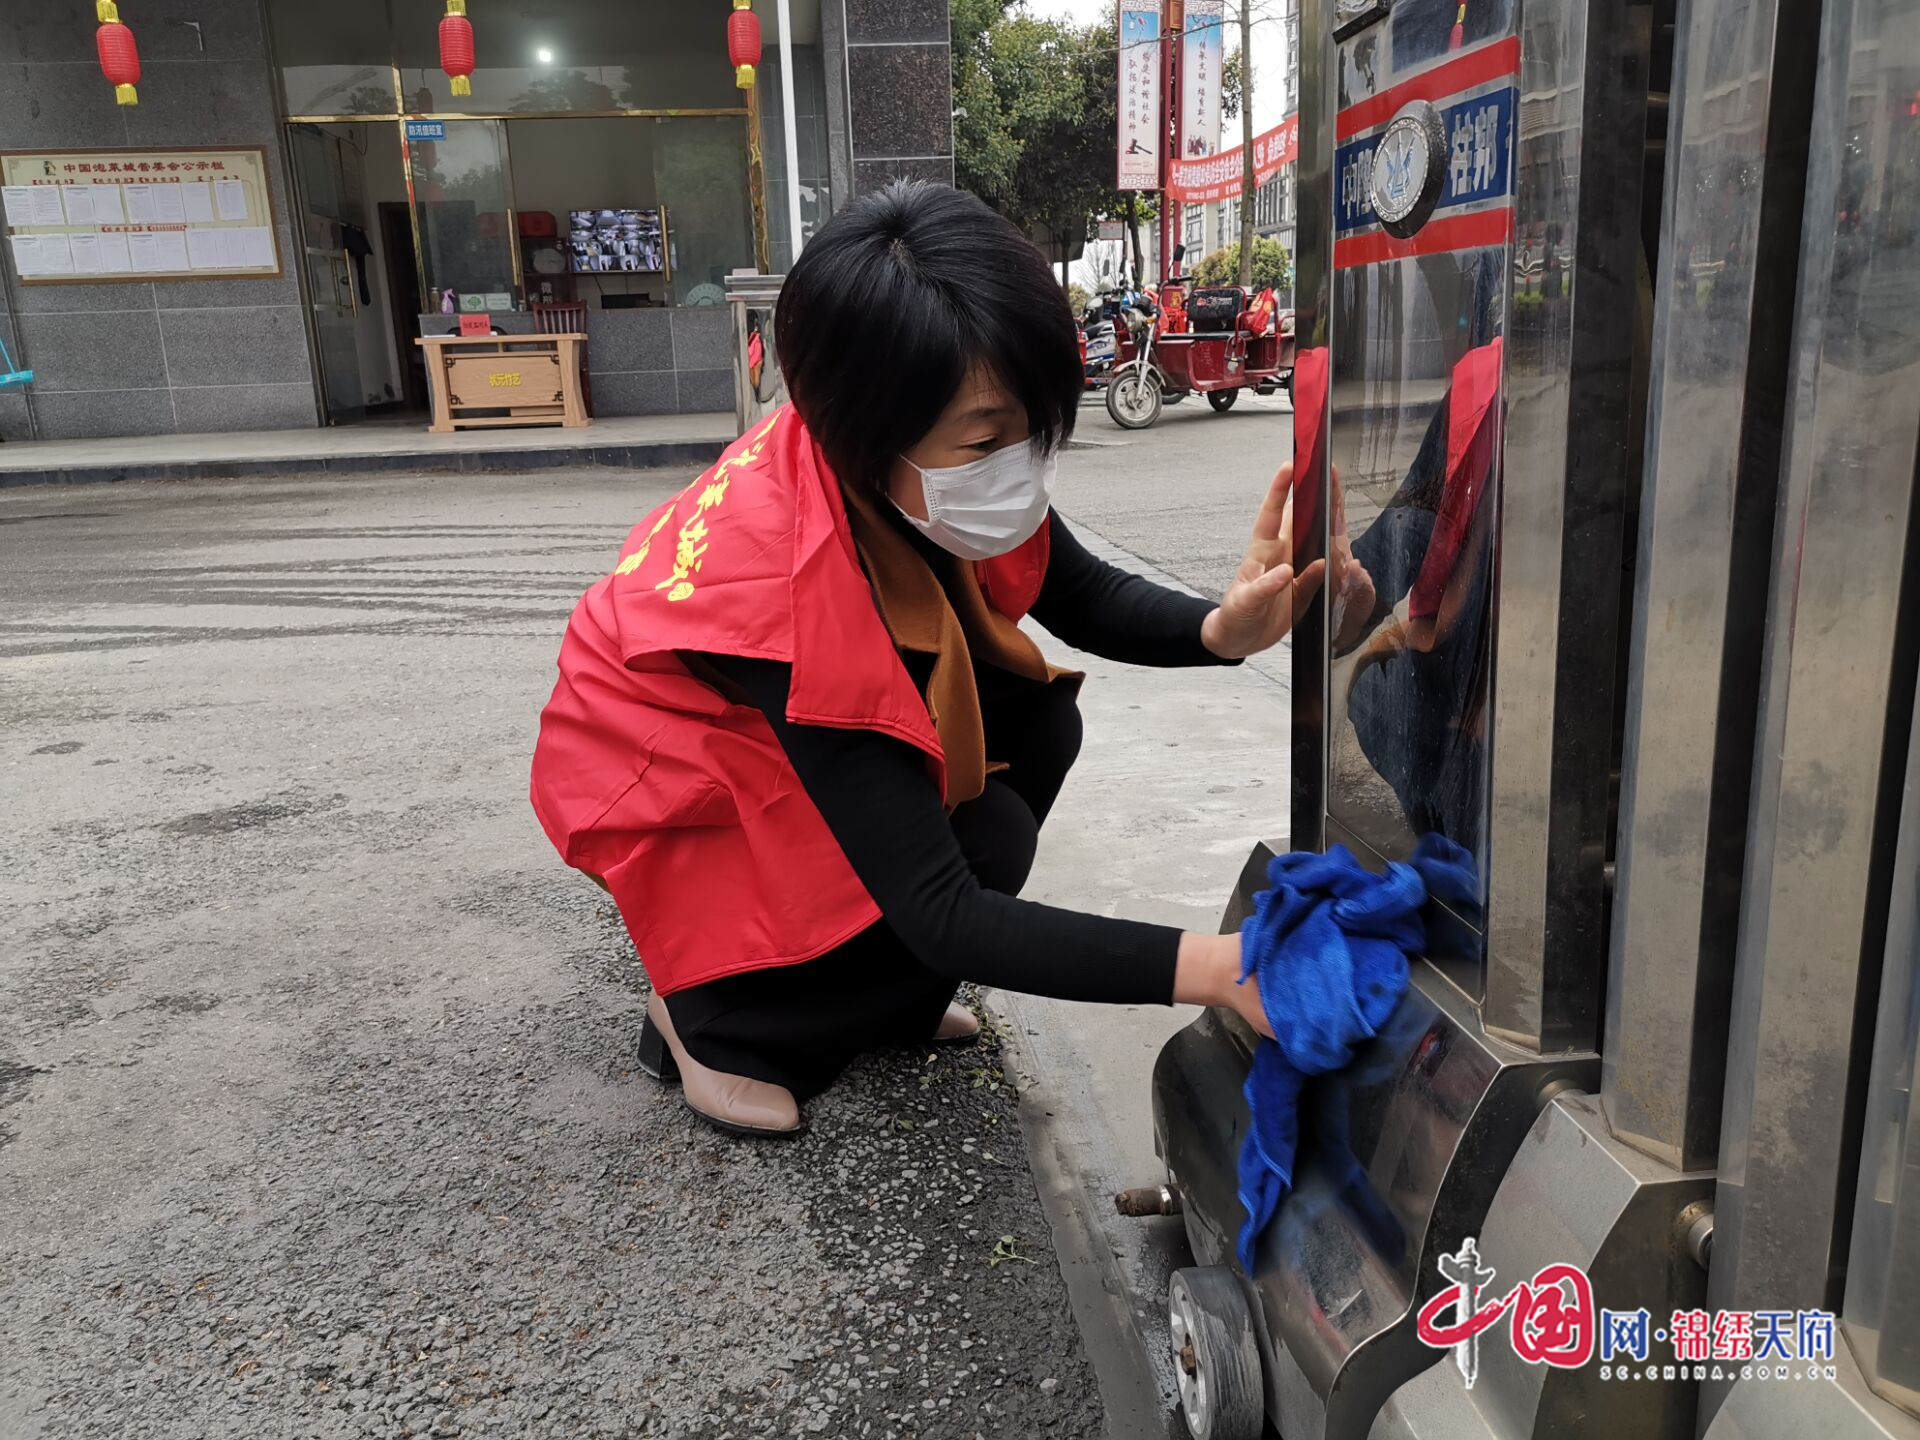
[612,241]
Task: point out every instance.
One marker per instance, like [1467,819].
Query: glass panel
[462,191]
[810,125]
[573,55]
[335,58]
[700,173]
[594,180]
[344,173]
[328,203]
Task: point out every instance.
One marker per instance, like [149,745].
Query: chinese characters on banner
[1201,58]
[1141,124]
[1201,182]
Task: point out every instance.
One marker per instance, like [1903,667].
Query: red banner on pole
[1218,177]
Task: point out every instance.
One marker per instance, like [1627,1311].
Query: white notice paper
[143,253]
[113,254]
[198,200]
[86,254]
[204,250]
[55,256]
[19,200]
[140,208]
[26,255]
[168,207]
[106,205]
[232,195]
[256,247]
[79,200]
[46,205]
[172,251]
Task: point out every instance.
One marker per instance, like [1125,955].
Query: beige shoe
[732,1102]
[957,1027]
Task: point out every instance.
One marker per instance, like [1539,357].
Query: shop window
[579,56]
[463,204]
[335,58]
[620,212]
[699,164]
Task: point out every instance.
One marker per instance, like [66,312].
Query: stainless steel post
[1838,690]
[1883,1268]
[1741,101]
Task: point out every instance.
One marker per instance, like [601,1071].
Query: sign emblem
[1409,168]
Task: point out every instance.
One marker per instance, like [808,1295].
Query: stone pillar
[150,358]
[898,83]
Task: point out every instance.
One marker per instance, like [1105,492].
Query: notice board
[129,215]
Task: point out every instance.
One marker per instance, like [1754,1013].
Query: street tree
[1034,120]
[1269,266]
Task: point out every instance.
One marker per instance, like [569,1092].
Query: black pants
[800,1025]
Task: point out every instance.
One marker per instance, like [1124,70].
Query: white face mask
[988,506]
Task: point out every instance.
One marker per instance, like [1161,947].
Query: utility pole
[1173,15]
[1246,144]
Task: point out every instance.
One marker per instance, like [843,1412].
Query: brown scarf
[943,615]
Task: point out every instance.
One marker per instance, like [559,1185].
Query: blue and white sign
[1479,163]
[426,129]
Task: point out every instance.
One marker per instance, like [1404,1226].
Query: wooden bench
[504,380]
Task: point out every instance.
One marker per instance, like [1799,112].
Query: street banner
[1141,124]
[1201,182]
[1202,55]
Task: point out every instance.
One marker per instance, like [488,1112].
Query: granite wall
[895,72]
[645,362]
[153,358]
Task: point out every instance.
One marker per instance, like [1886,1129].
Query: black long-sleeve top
[887,815]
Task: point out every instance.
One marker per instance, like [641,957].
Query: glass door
[331,205]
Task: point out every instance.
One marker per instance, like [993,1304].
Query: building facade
[299,193]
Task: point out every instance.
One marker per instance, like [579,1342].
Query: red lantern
[743,42]
[119,56]
[456,46]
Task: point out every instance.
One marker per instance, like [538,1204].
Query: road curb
[651,456]
[1109,1326]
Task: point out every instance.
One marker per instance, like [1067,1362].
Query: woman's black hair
[894,300]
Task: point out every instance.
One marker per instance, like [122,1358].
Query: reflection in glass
[335,59]
[700,173]
[463,198]
[574,55]
[1423,29]
[1411,534]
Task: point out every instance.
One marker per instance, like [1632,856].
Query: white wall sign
[124,215]
[1142,121]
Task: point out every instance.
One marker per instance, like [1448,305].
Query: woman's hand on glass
[1265,596]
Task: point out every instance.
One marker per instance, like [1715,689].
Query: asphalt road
[1181,495]
[317,1109]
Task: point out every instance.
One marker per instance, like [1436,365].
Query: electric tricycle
[1230,346]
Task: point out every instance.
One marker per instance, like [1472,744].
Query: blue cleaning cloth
[1328,946]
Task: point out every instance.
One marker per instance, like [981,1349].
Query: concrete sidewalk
[637,442]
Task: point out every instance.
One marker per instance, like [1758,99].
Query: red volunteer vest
[683,803]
